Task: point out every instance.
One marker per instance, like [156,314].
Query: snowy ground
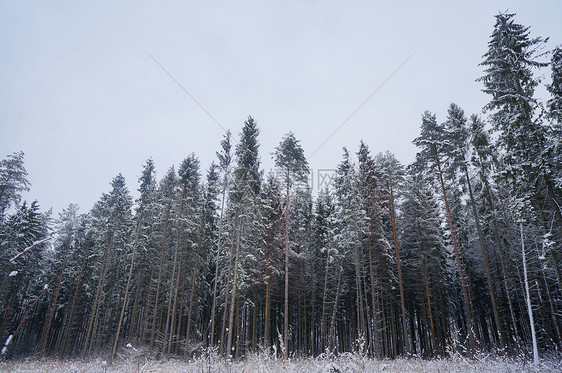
[265,363]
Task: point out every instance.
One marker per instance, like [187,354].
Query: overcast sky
[81,96]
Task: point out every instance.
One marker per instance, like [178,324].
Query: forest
[459,251]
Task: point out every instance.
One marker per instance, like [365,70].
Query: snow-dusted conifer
[290,159]
[13,181]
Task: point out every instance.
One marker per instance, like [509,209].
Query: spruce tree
[68,221]
[509,63]
[186,225]
[529,167]
[13,181]
[274,253]
[245,217]
[432,146]
[290,159]
[554,104]
[325,261]
[392,174]
[112,225]
[426,272]
[555,87]
[147,190]
[77,285]
[348,222]
[225,160]
[372,228]
[205,241]
[25,263]
[163,229]
[458,143]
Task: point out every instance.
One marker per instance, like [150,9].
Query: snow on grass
[267,363]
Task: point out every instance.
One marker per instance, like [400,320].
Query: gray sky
[82,98]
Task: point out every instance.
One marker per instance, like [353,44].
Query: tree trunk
[255,319]
[483,248]
[13,300]
[226,292]
[359,297]
[70,318]
[375,304]
[502,255]
[233,296]
[462,275]
[126,296]
[267,326]
[51,314]
[310,326]
[175,307]
[138,318]
[334,313]
[529,308]
[173,289]
[323,331]
[95,308]
[193,280]
[159,281]
[24,319]
[214,307]
[299,306]
[552,313]
[399,268]
[286,312]
[426,283]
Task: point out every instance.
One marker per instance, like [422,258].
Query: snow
[29,248]
[8,340]
[269,363]
[5,348]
